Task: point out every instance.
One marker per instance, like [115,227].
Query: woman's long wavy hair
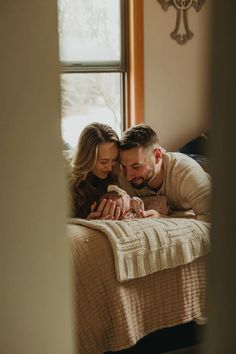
[87,149]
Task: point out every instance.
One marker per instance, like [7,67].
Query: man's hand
[151,214]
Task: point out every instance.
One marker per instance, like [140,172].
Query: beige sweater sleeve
[197,188]
[189,187]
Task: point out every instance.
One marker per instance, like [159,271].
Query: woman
[93,169]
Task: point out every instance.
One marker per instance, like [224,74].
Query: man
[150,170]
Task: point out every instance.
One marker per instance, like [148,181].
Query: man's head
[141,156]
[139,136]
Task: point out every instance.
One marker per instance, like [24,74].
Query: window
[97,80]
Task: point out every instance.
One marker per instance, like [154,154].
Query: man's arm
[196,191]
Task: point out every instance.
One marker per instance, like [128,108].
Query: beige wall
[176,76]
[35,279]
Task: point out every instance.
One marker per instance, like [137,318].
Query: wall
[176,76]
[36,310]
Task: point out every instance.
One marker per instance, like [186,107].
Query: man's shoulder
[179,159]
[179,165]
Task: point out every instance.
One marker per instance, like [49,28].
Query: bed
[116,307]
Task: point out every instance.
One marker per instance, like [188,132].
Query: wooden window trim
[135,75]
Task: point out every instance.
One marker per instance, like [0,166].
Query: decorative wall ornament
[182,7]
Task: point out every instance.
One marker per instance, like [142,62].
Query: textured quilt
[144,246]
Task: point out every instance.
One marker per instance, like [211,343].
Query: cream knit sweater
[186,185]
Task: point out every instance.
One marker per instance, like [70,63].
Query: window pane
[87,98]
[89,30]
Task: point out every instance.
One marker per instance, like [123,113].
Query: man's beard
[144,182]
[140,185]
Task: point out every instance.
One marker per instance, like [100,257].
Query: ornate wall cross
[182,7]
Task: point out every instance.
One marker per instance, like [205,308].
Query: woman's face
[106,159]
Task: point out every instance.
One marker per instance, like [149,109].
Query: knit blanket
[145,246]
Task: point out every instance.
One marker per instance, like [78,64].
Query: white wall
[176,81]
[36,310]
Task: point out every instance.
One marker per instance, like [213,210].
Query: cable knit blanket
[145,246]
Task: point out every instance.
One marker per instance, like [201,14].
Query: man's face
[138,166]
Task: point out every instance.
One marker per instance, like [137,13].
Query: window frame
[135,72]
[131,66]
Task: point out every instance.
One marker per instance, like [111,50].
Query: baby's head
[118,195]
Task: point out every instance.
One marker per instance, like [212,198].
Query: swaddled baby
[133,207]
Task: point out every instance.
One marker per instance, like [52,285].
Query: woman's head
[96,152]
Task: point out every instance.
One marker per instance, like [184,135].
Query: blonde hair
[87,149]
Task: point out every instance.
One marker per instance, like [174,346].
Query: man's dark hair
[139,135]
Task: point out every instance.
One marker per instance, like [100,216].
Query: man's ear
[158,153]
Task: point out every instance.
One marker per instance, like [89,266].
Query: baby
[134,207]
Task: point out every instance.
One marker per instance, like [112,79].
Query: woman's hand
[94,214]
[107,209]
